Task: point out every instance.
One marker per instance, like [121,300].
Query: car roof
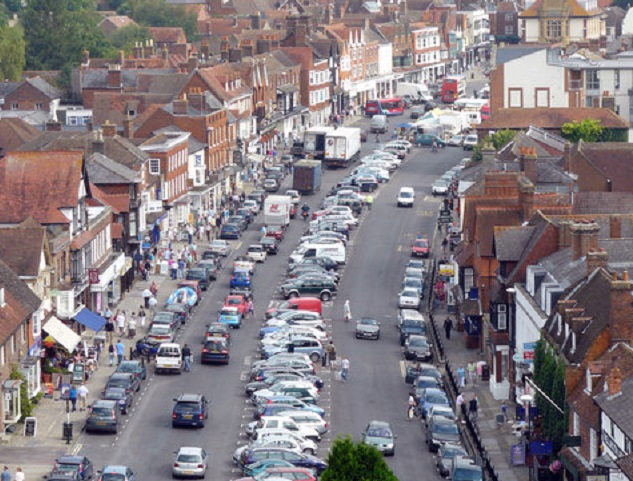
[190,397]
[189,450]
[379,424]
[115,468]
[229,308]
[71,459]
[103,403]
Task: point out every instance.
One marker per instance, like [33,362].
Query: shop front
[105,288]
[11,404]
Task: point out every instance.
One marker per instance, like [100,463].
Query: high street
[376,259]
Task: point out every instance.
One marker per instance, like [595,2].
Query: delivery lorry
[277,210]
[416,93]
[306,177]
[342,147]
[314,141]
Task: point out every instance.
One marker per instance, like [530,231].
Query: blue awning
[90,319]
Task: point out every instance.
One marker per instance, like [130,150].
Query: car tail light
[325,425]
[205,350]
[176,465]
[200,416]
[200,466]
[225,352]
[173,415]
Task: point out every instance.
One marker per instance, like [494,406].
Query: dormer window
[2,300]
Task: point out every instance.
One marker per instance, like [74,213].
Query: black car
[445,456]
[239,220]
[327,263]
[270,245]
[411,327]
[80,465]
[125,380]
[215,351]
[218,329]
[422,369]
[417,348]
[441,430]
[298,270]
[322,288]
[190,410]
[181,311]
[251,455]
[137,368]
[123,398]
[199,274]
[246,213]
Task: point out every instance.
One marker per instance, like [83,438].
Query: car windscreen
[436,399]
[159,329]
[189,458]
[445,428]
[379,433]
[113,394]
[112,477]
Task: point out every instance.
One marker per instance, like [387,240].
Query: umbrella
[405,125]
[183,295]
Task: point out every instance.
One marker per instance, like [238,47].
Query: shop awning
[90,319]
[62,334]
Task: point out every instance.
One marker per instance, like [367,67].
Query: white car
[279,422]
[256,252]
[455,141]
[470,141]
[382,164]
[299,330]
[404,142]
[252,205]
[439,187]
[294,195]
[306,418]
[220,246]
[409,299]
[190,462]
[307,444]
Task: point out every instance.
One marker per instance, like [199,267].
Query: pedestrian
[108,314]
[461,375]
[473,405]
[347,311]
[6,474]
[72,396]
[461,406]
[142,316]
[152,304]
[344,369]
[147,293]
[472,372]
[251,309]
[331,352]
[111,354]
[120,322]
[173,269]
[207,230]
[181,267]
[82,392]
[109,330]
[19,474]
[504,410]
[131,326]
[119,351]
[444,246]
[369,201]
[411,407]
[186,357]
[448,326]
[324,357]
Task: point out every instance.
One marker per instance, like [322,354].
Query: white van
[406,197]
[334,251]
[378,124]
[306,418]
[169,358]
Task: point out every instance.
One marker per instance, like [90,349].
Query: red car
[238,301]
[420,247]
[299,474]
[275,231]
[293,211]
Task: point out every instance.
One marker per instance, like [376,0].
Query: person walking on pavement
[472,372]
[461,375]
[120,322]
[109,330]
[344,369]
[411,408]
[186,357]
[369,200]
[82,392]
[331,354]
[72,396]
[131,326]
[147,294]
[119,351]
[251,309]
[142,316]
[473,405]
[6,474]
[461,407]
[448,326]
[19,474]
[152,303]
[111,354]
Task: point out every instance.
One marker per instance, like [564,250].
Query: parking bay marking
[403,369]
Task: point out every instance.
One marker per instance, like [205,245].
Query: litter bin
[485,372]
[68,432]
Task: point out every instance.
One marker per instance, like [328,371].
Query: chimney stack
[528,162]
[128,127]
[114,77]
[148,51]
[97,142]
[256,21]
[488,157]
[620,310]
[109,130]
[596,259]
[180,106]
[615,382]
[53,126]
[584,236]
[526,198]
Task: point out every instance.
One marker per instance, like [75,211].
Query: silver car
[190,462]
[409,299]
[367,328]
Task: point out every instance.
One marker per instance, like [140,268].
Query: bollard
[68,432]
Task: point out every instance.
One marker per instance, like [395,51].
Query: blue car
[230,316]
[431,397]
[292,402]
[259,466]
[230,231]
[240,279]
[267,330]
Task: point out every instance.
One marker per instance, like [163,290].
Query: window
[502,317]
[14,344]
[39,106]
[554,29]
[72,120]
[515,97]
[37,324]
[154,166]
[2,301]
[592,81]
[576,424]
[15,106]
[2,356]
[541,97]
[616,79]
[509,30]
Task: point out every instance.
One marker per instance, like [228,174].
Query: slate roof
[21,302]
[625,463]
[21,247]
[195,145]
[43,86]
[487,219]
[98,78]
[550,118]
[15,132]
[7,87]
[103,170]
[611,160]
[507,54]
[511,241]
[618,408]
[38,185]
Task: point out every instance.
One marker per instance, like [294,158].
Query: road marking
[76,449]
[248,360]
[426,213]
[403,369]
[432,198]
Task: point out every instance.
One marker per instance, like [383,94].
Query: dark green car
[322,288]
[426,140]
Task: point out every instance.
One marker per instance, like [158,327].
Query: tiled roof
[611,160]
[38,185]
[82,239]
[20,300]
[21,247]
[510,241]
[618,408]
[554,118]
[574,8]
[116,230]
[625,463]
[118,21]
[603,203]
[118,202]
[15,132]
[168,34]
[487,219]
[103,170]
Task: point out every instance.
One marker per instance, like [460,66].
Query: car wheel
[314,357]
[309,451]
[293,295]
[326,296]
[377,336]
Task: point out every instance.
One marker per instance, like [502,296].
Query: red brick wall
[27,97]
[497,82]
[589,179]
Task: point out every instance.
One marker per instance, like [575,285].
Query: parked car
[445,456]
[125,380]
[380,435]
[211,266]
[160,333]
[441,430]
[220,246]
[431,397]
[367,328]
[439,187]
[123,398]
[426,140]
[465,469]
[409,298]
[190,410]
[137,368]
[102,416]
[420,247]
[190,462]
[456,141]
[230,231]
[470,142]
[117,473]
[250,456]
[324,289]
[417,348]
[74,464]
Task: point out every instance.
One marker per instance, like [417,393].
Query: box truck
[314,141]
[277,210]
[342,147]
[306,177]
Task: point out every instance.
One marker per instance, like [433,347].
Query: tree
[499,140]
[12,51]
[588,130]
[158,13]
[349,461]
[126,37]
[12,6]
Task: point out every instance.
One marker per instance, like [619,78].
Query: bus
[453,88]
[394,106]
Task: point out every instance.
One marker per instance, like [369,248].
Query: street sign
[517,358]
[445,213]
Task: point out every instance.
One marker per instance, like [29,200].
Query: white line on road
[403,369]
